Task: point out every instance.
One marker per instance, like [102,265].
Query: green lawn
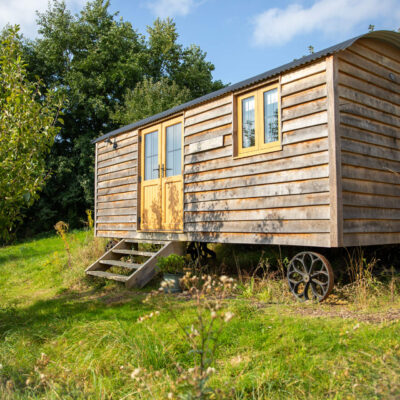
[63,336]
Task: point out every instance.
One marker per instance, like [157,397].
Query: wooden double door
[162,177]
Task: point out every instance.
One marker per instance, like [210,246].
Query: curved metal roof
[386,36]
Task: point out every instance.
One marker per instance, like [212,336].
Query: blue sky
[241,38]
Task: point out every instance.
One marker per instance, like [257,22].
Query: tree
[99,62]
[148,98]
[27,132]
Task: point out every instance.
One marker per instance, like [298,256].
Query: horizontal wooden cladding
[372,187]
[368,174]
[114,197]
[303,84]
[121,137]
[208,106]
[306,121]
[222,152]
[302,72]
[116,168]
[115,154]
[272,166]
[370,200]
[357,212]
[117,160]
[120,144]
[204,145]
[305,96]
[293,175]
[116,227]
[371,225]
[304,109]
[305,134]
[293,200]
[265,226]
[366,239]
[116,218]
[117,189]
[278,189]
[116,204]
[129,172]
[275,214]
[204,126]
[210,134]
[121,234]
[117,182]
[209,114]
[311,146]
[361,160]
[116,211]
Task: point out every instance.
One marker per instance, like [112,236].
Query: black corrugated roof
[387,36]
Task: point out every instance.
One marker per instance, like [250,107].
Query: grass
[63,336]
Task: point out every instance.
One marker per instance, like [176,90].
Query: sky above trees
[241,38]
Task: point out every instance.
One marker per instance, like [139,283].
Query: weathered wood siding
[280,197]
[369,103]
[116,190]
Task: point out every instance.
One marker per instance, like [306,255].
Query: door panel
[162,178]
[151,185]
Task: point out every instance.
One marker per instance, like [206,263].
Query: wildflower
[135,373]
[223,278]
[213,314]
[170,395]
[42,377]
[1,366]
[210,371]
[228,316]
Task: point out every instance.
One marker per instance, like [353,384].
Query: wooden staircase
[127,262]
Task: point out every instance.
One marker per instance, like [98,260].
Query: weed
[61,228]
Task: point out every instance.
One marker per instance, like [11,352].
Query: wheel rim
[310,276]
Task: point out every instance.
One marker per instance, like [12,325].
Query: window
[173,149]
[151,156]
[258,121]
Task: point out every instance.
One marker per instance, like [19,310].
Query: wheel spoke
[314,290]
[319,273]
[295,282]
[319,282]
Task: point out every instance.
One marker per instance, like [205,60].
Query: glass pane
[173,150]
[271,129]
[248,123]
[151,156]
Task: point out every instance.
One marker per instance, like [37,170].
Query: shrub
[172,264]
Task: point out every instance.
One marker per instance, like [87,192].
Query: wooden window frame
[260,147]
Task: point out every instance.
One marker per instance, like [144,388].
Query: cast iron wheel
[310,276]
[200,251]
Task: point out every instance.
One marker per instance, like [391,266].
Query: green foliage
[103,65]
[171,264]
[148,98]
[27,131]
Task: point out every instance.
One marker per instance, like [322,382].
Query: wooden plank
[305,96]
[374,175]
[373,138]
[109,275]
[135,252]
[303,84]
[117,160]
[376,226]
[115,234]
[118,152]
[357,212]
[118,189]
[130,172]
[304,109]
[121,136]
[209,155]
[121,264]
[280,226]
[117,167]
[296,149]
[369,200]
[370,150]
[116,211]
[117,204]
[120,144]
[303,72]
[370,162]
[116,218]
[204,145]
[278,189]
[108,255]
[207,106]
[335,172]
[302,161]
[367,125]
[208,125]
[220,131]
[368,239]
[206,116]
[354,95]
[291,200]
[117,182]
[119,196]
[115,227]
[276,214]
[304,122]
[320,171]
[358,186]
[305,134]
[355,82]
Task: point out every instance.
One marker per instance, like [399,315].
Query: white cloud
[171,8]
[278,26]
[23,12]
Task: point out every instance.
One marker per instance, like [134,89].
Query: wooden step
[122,264]
[138,241]
[108,275]
[135,252]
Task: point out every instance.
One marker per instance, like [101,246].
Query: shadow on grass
[53,316]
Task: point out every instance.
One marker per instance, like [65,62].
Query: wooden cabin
[307,154]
